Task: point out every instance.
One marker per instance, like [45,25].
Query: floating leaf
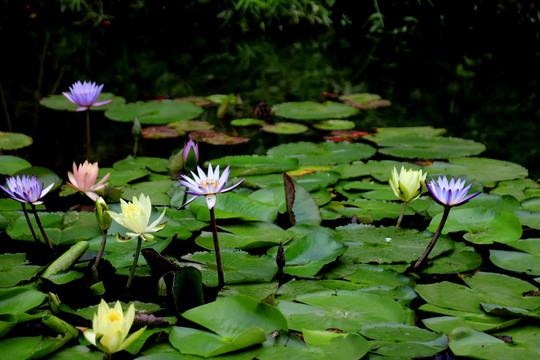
[327,153]
[248,122]
[285,128]
[309,110]
[483,226]
[160,132]
[424,147]
[364,100]
[334,125]
[60,102]
[12,141]
[10,164]
[184,126]
[389,132]
[216,138]
[14,268]
[154,112]
[19,299]
[245,165]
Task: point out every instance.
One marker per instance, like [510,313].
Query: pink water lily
[84,178]
[85,95]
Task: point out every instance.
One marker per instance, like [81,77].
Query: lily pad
[365,100]
[483,226]
[244,165]
[334,124]
[381,170]
[14,268]
[217,138]
[327,153]
[389,132]
[425,147]
[12,141]
[248,122]
[285,128]
[310,111]
[184,126]
[160,132]
[10,164]
[154,112]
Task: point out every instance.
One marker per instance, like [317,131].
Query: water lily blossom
[407,184]
[207,185]
[85,95]
[135,216]
[110,328]
[448,194]
[27,189]
[84,178]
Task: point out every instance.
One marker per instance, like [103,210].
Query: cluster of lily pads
[375,247]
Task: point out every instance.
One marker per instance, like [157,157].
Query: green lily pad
[238,266]
[470,343]
[389,132]
[516,188]
[483,226]
[217,138]
[285,128]
[369,209]
[142,162]
[400,340]
[248,122]
[122,177]
[425,147]
[483,170]
[370,275]
[364,100]
[462,258]
[12,141]
[244,165]
[309,110]
[60,102]
[305,256]
[334,124]
[154,112]
[340,309]
[385,245]
[327,153]
[380,170]
[19,299]
[10,164]
[526,261]
[14,268]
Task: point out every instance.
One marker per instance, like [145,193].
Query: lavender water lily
[448,194]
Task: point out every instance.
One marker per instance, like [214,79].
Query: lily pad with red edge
[313,111]
[216,138]
[365,101]
[160,132]
[285,128]
[190,125]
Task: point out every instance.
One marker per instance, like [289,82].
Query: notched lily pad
[12,141]
[154,112]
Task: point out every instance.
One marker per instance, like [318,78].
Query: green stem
[221,277]
[41,227]
[88,134]
[30,224]
[434,239]
[403,207]
[135,260]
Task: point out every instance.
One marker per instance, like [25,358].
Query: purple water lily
[85,95]
[207,185]
[28,190]
[450,193]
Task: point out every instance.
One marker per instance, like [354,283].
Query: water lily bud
[191,155]
[54,303]
[104,219]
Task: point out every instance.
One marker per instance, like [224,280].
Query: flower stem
[30,223]
[434,239]
[135,260]
[88,134]
[100,252]
[41,227]
[403,207]
[221,278]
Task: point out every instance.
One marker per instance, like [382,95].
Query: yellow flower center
[113,316]
[213,183]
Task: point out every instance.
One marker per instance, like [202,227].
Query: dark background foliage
[468,66]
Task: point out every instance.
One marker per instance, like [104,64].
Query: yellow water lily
[135,216]
[407,184]
[110,328]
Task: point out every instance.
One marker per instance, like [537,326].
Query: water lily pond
[313,264]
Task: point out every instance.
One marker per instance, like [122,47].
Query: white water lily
[135,216]
[110,328]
